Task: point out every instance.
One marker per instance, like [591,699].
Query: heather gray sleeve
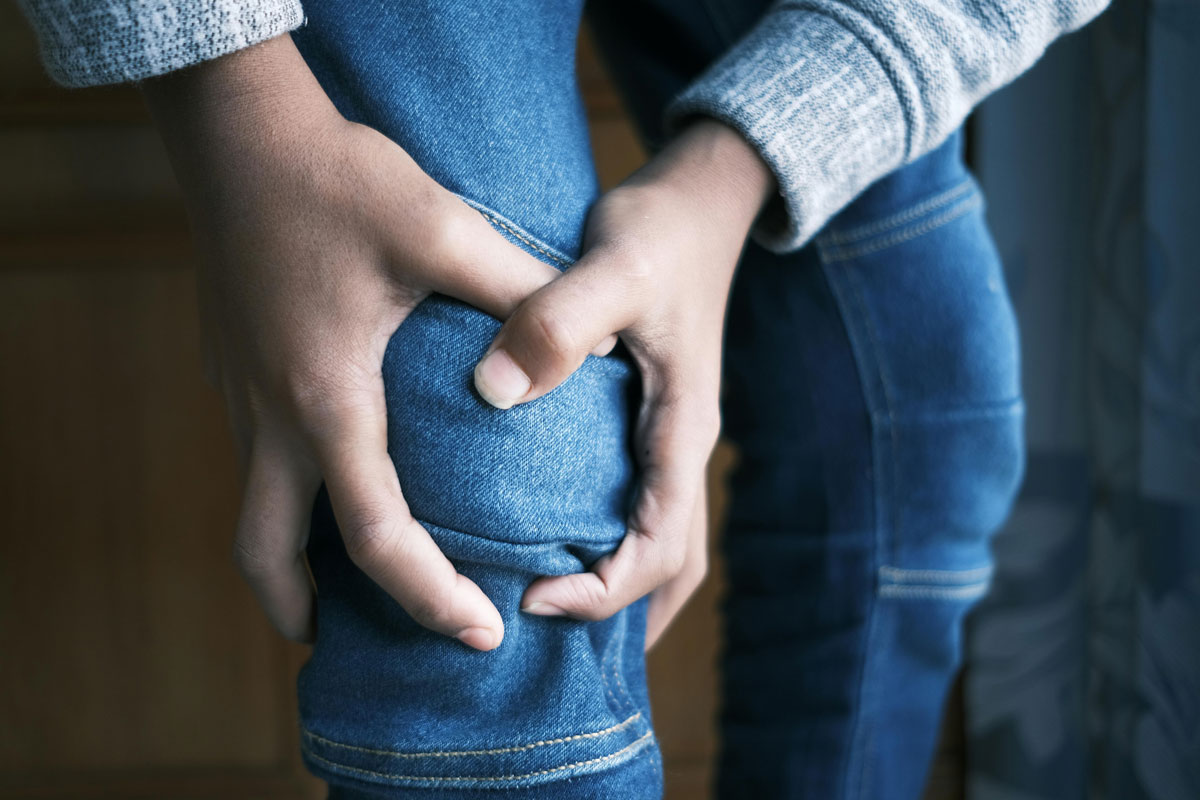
[837,93]
[91,42]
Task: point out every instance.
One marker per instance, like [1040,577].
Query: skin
[659,256]
[318,236]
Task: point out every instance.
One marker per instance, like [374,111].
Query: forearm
[713,166]
[834,94]
[222,116]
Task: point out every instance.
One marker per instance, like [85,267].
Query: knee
[956,474]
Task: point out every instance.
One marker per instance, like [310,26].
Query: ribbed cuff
[93,42]
[817,105]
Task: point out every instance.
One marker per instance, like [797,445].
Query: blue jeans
[871,388]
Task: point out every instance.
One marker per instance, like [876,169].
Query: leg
[872,391]
[483,96]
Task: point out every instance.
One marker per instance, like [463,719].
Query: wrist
[714,164]
[233,111]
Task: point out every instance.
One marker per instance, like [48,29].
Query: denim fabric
[880,447]
[483,96]
[871,388]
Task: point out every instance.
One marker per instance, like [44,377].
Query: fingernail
[500,381]
[479,638]
[543,609]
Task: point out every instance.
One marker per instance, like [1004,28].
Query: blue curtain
[1083,676]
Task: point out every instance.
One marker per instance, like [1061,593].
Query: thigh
[871,389]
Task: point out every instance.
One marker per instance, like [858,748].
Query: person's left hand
[659,256]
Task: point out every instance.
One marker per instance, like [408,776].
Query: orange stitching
[464,778]
[497,751]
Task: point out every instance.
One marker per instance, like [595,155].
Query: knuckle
[555,331]
[590,600]
[674,559]
[431,612]
[637,270]
[254,562]
[367,534]
[447,234]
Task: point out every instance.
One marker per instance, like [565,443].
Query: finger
[238,413]
[490,272]
[271,535]
[669,599]
[384,540]
[675,446]
[550,334]
[474,263]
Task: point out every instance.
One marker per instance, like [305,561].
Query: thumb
[549,335]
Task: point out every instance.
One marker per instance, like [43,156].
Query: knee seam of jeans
[514,230]
[492,752]
[903,592]
[640,743]
[935,577]
[1004,408]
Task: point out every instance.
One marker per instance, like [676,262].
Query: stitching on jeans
[943,576]
[637,743]
[842,254]
[847,293]
[852,235]
[519,234]
[1009,409]
[616,666]
[893,432]
[604,675]
[966,592]
[497,751]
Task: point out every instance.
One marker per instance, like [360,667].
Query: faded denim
[870,387]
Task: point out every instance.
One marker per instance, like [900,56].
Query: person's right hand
[317,237]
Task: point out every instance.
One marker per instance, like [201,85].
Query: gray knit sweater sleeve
[91,42]
[837,93]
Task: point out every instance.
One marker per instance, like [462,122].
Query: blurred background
[134,662]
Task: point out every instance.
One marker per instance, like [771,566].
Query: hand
[659,257]
[317,238]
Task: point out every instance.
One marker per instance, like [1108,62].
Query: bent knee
[956,473]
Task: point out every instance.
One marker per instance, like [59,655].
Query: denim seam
[965,592]
[620,698]
[638,743]
[522,235]
[627,701]
[496,751]
[889,411]
[899,575]
[933,223]
[863,726]
[1011,408]
[617,705]
[842,285]
[854,235]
